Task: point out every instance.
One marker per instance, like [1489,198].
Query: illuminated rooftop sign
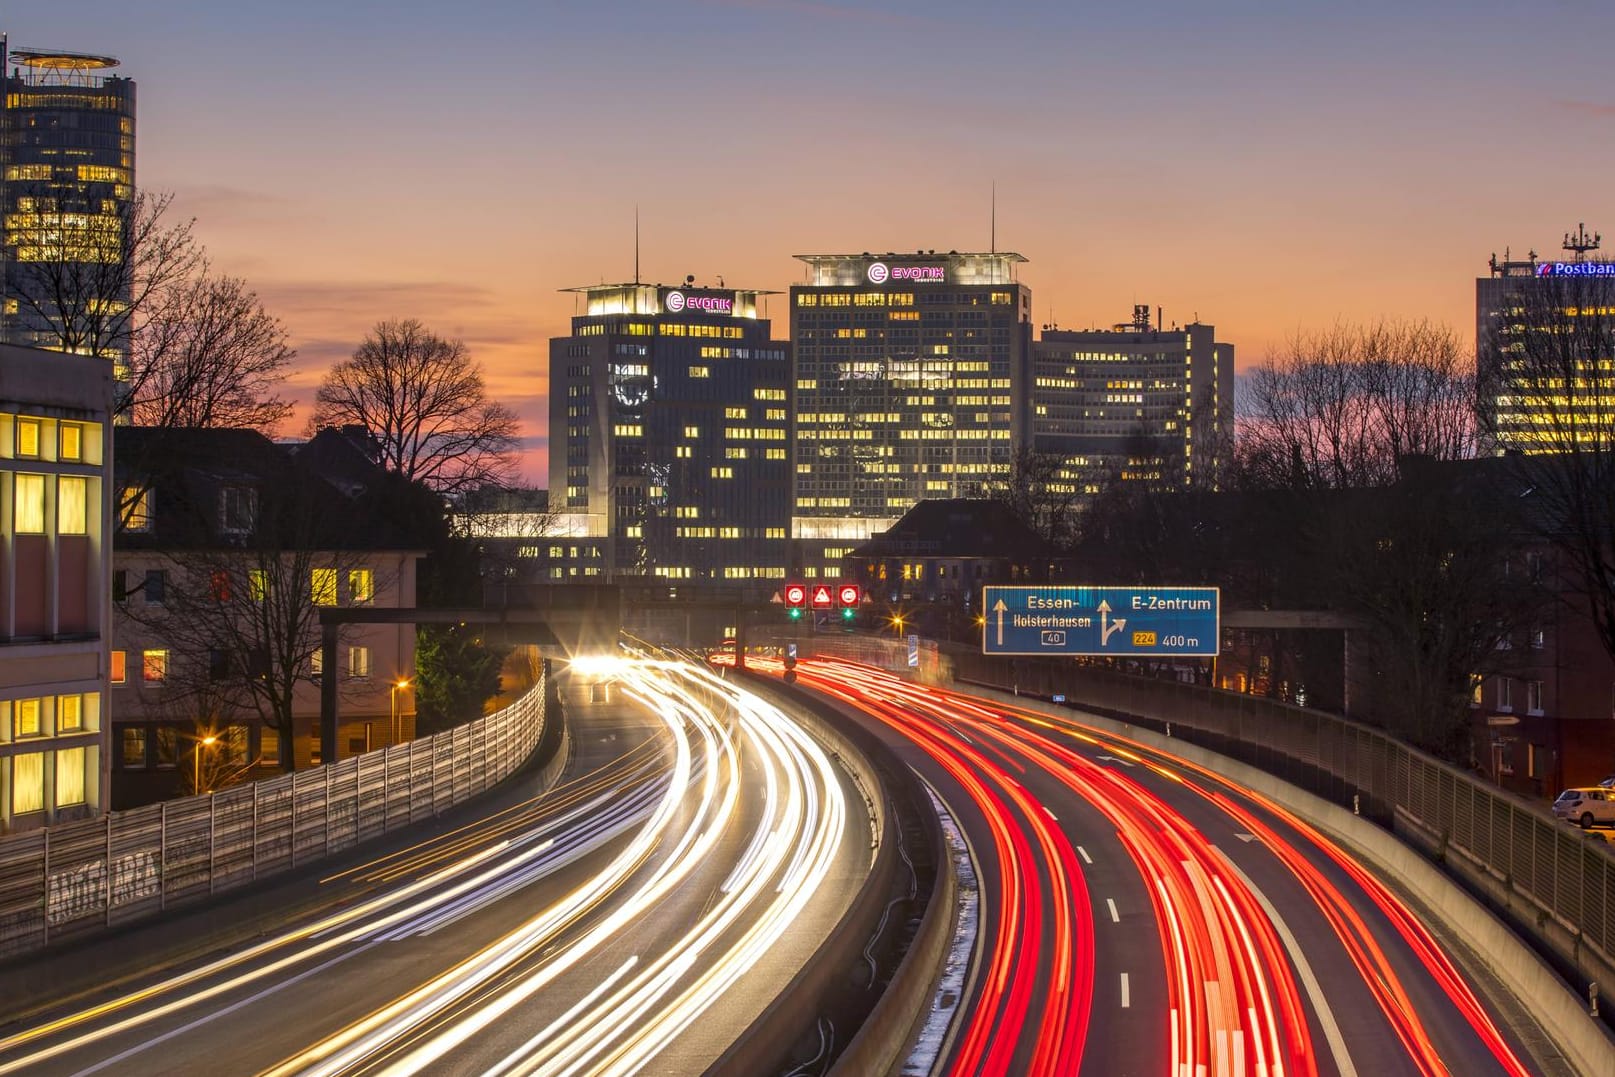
[1576,269]
[675,301]
[880,273]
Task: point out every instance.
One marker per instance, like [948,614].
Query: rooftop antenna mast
[636,244]
[992,241]
[1579,242]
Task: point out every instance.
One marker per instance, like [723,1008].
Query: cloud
[1589,108]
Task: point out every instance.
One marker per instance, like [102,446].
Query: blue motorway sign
[1111,621]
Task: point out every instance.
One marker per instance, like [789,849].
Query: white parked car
[1586,806]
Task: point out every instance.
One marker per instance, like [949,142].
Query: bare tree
[424,401]
[1041,492]
[85,282]
[1548,396]
[1342,408]
[208,355]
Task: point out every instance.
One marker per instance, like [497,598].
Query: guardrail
[88,875]
[1556,883]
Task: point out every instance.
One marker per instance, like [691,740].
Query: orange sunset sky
[1268,167]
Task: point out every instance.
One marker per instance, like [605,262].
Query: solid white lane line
[1127,995]
[1326,1016]
[1115,917]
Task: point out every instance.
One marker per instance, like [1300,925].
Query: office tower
[55,557]
[911,373]
[69,143]
[1545,350]
[668,436]
[1138,402]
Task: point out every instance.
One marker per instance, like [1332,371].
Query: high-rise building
[669,451]
[1545,350]
[55,557]
[1138,402]
[68,134]
[911,376]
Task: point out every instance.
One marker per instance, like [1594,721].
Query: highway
[1139,916]
[636,918]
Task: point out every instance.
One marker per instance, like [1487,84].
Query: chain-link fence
[80,876]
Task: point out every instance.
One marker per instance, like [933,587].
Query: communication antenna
[1579,242]
[636,244]
[992,242]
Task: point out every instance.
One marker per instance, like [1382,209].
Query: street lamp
[402,682]
[204,742]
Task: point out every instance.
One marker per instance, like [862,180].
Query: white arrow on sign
[1113,759]
[1106,630]
[999,608]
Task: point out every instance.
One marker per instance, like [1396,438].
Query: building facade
[1138,402]
[55,555]
[669,450]
[1545,351]
[911,375]
[69,148]
[227,549]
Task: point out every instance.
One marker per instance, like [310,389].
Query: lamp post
[402,682]
[204,742]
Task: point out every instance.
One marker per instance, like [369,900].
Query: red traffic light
[796,594]
[821,597]
[850,594]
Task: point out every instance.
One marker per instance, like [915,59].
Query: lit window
[135,504]
[69,714]
[154,666]
[30,505]
[120,667]
[72,505]
[28,783]
[219,585]
[358,662]
[269,745]
[69,777]
[322,586]
[134,748]
[361,585]
[316,663]
[28,437]
[258,584]
[72,443]
[28,723]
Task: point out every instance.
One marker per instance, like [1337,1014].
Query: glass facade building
[669,450]
[68,135]
[1135,403]
[911,378]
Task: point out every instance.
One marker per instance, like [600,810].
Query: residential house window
[71,442]
[119,667]
[30,505]
[269,745]
[70,777]
[238,510]
[1533,564]
[28,718]
[154,666]
[219,585]
[28,783]
[235,745]
[218,665]
[28,437]
[1533,697]
[72,505]
[1533,761]
[1505,693]
[316,663]
[258,584]
[134,748]
[359,662]
[361,585]
[1539,639]
[156,587]
[69,714]
[167,738]
[120,585]
[322,586]
[136,504]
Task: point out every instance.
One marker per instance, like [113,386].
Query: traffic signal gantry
[828,595]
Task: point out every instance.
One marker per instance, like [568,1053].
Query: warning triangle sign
[821,595]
